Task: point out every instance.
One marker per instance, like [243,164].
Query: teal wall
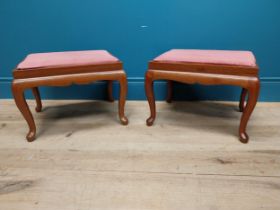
[138,30]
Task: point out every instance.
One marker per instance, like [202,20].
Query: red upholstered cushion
[240,58]
[61,59]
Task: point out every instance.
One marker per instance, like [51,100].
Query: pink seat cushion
[240,58]
[65,59]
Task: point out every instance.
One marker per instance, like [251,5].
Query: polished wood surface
[110,91]
[169,91]
[32,79]
[242,103]
[37,97]
[206,74]
[204,68]
[189,159]
[55,71]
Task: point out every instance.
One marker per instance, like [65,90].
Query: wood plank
[238,163]
[57,189]
[84,159]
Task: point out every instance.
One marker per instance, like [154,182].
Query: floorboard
[83,159]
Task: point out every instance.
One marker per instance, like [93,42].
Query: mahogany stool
[63,69]
[207,67]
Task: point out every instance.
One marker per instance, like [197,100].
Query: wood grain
[85,160]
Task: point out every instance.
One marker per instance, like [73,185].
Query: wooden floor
[83,159]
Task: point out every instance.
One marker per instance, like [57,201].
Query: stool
[207,67]
[63,69]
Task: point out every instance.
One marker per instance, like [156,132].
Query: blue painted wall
[136,32]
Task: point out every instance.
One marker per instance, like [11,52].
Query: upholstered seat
[59,63]
[241,63]
[240,58]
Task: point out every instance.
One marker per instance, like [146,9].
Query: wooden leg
[110,91]
[37,96]
[151,98]
[242,103]
[169,91]
[253,94]
[123,92]
[24,109]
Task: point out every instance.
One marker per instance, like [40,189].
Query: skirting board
[270,91]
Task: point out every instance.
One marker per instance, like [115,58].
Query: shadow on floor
[204,116]
[99,113]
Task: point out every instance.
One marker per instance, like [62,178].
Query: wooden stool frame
[34,78]
[206,74]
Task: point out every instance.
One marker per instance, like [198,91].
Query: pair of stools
[207,67]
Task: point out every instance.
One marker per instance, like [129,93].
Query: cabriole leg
[37,96]
[253,94]
[242,102]
[169,91]
[110,91]
[122,100]
[20,101]
[149,83]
